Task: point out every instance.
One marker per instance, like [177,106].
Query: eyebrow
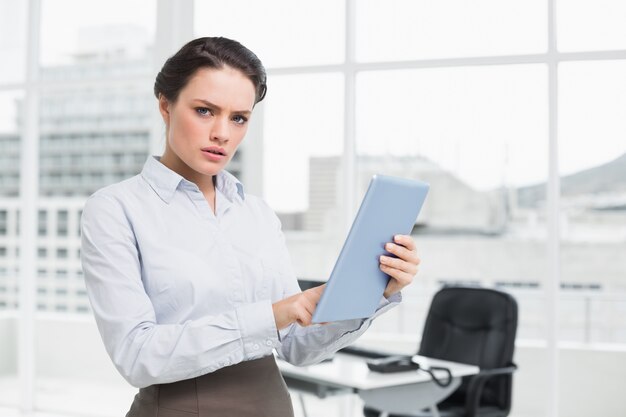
[208,103]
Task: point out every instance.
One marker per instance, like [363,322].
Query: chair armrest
[476,384]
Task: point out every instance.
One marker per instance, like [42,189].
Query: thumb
[315,293]
[318,290]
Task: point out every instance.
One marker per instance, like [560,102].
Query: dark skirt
[248,389]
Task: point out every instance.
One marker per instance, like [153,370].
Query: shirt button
[268,342]
[255,347]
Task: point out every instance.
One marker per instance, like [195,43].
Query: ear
[164,109]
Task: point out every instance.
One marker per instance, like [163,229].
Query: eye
[240,120]
[203,111]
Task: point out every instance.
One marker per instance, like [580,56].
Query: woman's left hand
[402,269]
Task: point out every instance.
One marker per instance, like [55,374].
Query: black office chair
[476,326]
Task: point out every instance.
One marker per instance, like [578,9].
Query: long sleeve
[143,350]
[308,345]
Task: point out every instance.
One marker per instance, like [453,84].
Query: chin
[205,167]
[210,169]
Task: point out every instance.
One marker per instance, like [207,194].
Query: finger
[399,264]
[319,289]
[315,290]
[401,277]
[314,293]
[304,322]
[304,316]
[306,305]
[309,306]
[403,253]
[406,241]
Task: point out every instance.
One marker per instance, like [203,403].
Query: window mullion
[28,192]
[553,197]
[173,29]
[349,144]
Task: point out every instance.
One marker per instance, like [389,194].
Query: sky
[488,125]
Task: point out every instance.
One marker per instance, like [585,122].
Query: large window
[591,25]
[303,121]
[468,96]
[13,18]
[10,141]
[593,192]
[94,121]
[478,135]
[282,33]
[407,29]
[11,101]
[92,40]
[457,94]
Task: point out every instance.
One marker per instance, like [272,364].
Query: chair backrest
[475,326]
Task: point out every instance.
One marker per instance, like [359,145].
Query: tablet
[356,284]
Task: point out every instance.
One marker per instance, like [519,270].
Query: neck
[206,183]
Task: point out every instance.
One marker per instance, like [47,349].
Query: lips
[216,150]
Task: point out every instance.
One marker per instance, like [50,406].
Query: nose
[220,131]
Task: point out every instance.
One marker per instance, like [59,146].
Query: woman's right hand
[298,308]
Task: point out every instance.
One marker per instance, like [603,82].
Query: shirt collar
[230,185]
[164,181]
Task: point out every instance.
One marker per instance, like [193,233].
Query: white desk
[402,392]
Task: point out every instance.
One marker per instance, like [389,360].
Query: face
[207,122]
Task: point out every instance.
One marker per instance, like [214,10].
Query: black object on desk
[404,363]
[366,353]
[400,363]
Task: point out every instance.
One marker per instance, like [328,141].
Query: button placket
[236,279]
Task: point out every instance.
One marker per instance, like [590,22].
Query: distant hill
[605,178]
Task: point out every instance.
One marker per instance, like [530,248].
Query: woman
[188,276]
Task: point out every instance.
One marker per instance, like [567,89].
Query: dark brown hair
[209,53]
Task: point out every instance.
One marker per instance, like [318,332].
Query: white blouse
[178,291]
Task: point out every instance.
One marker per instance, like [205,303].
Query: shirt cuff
[393,298]
[258,329]
[387,304]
